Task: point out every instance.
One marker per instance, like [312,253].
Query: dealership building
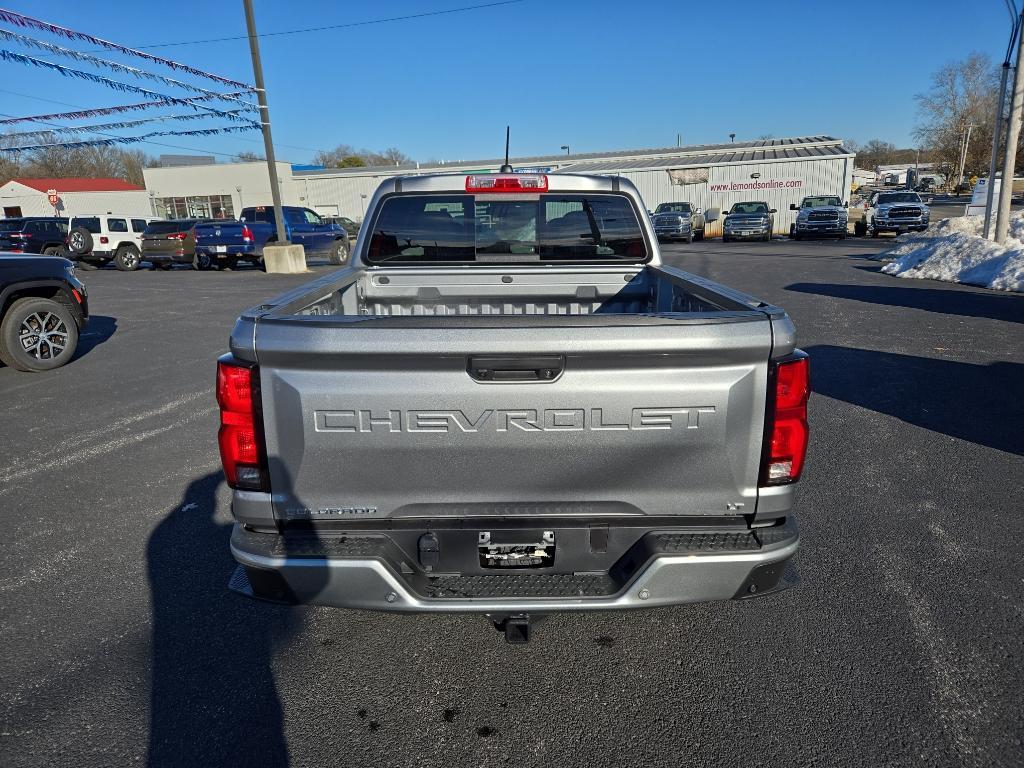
[710,176]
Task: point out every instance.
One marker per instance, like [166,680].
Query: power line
[337,26]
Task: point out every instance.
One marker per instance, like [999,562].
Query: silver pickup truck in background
[819,215]
[507,404]
[678,221]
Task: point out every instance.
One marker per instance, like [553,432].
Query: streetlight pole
[566,148]
[1012,137]
[268,142]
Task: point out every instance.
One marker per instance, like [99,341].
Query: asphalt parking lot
[901,646]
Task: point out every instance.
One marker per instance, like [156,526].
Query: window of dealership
[196,207]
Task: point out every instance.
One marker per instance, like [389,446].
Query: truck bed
[661,291]
[654,380]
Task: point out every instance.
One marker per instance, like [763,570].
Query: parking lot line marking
[96,450]
[125,421]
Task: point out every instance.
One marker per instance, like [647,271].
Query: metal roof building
[778,171]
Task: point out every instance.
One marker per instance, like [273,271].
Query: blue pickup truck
[225,243]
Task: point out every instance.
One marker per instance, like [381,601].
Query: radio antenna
[506,168]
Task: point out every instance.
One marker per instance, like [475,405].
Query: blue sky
[596,75]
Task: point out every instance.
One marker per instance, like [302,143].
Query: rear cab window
[167,227]
[90,223]
[506,229]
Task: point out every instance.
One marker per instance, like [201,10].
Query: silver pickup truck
[508,405]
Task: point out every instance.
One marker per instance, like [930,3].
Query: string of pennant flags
[111,141]
[59,50]
[20,20]
[98,127]
[117,85]
[83,114]
[45,136]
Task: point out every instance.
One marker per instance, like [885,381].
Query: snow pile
[954,250]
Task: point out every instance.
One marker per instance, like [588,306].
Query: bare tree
[246,156]
[347,156]
[63,162]
[963,94]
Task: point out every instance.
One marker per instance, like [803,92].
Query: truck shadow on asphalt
[946,301]
[978,403]
[214,701]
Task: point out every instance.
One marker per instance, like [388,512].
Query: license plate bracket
[516,549]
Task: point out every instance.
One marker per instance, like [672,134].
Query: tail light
[246,234]
[786,429]
[20,236]
[104,239]
[177,236]
[507,182]
[242,449]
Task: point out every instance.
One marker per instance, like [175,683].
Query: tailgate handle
[539,368]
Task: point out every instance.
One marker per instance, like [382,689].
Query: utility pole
[963,155]
[1012,137]
[268,142]
[990,193]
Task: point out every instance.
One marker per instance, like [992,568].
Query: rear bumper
[237,251]
[370,572]
[157,257]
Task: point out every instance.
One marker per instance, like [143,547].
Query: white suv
[102,238]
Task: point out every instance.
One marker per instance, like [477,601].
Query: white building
[711,176]
[216,190]
[75,197]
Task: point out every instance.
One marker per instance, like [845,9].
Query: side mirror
[846,203]
[794,207]
[772,210]
[699,211]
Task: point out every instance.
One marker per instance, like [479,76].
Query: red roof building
[79,185]
[74,197]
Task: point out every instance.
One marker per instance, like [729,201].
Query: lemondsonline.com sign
[756,185]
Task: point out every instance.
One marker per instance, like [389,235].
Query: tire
[20,327]
[874,232]
[339,252]
[52,250]
[726,238]
[700,234]
[127,258]
[689,237]
[201,262]
[80,241]
[795,236]
[860,229]
[767,237]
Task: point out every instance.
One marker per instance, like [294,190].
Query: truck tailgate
[366,421]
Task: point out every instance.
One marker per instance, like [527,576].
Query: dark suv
[34,234]
[43,306]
